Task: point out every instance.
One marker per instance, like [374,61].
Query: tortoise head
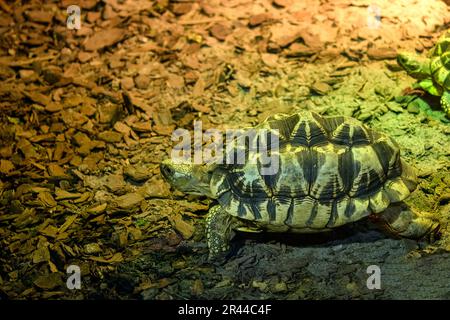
[187,177]
[416,66]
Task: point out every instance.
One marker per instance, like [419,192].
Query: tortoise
[331,171]
[433,71]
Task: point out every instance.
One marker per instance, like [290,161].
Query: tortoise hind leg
[405,222]
[445,103]
[218,232]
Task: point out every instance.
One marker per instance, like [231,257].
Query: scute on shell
[440,62]
[332,171]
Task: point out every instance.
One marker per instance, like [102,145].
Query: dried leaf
[116,258]
[184,228]
[69,220]
[41,255]
[104,38]
[46,199]
[6,166]
[65,195]
[129,200]
[97,209]
[49,281]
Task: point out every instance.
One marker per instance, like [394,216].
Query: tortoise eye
[166,170]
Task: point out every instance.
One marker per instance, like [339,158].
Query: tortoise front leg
[445,102]
[429,86]
[218,232]
[405,222]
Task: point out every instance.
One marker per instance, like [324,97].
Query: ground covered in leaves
[87,115]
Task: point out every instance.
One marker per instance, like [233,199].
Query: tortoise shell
[442,45]
[440,70]
[440,62]
[331,171]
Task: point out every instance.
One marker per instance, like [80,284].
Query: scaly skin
[445,102]
[416,66]
[432,72]
[401,220]
[218,232]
